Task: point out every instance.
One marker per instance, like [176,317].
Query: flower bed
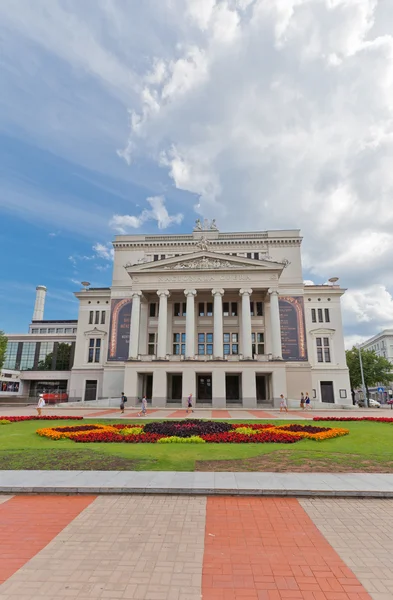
[376,419]
[42,418]
[192,431]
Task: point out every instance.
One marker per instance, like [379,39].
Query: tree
[376,369]
[61,357]
[3,347]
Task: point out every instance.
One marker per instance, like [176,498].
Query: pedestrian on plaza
[41,404]
[189,404]
[123,400]
[307,401]
[283,404]
[302,401]
[144,407]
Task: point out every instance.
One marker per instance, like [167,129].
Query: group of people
[305,402]
[143,411]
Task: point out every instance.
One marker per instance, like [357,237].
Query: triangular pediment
[322,331]
[95,332]
[205,261]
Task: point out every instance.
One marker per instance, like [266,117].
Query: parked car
[54,398]
[371,403]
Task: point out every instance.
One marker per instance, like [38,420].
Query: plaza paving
[188,548]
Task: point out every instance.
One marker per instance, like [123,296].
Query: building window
[209,309]
[45,357]
[103,315]
[10,356]
[320,315]
[225,309]
[234,309]
[91,317]
[97,319]
[163,257]
[53,330]
[231,343]
[34,331]
[327,315]
[179,309]
[151,346]
[68,330]
[60,330]
[258,343]
[323,350]
[43,331]
[313,315]
[153,309]
[343,394]
[256,309]
[156,257]
[179,343]
[28,354]
[94,350]
[205,344]
[201,309]
[249,255]
[73,331]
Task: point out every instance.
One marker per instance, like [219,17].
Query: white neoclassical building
[224,316]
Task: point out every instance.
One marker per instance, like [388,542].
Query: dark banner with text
[119,336]
[293,329]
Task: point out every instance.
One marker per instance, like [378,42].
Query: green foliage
[5,422]
[3,347]
[58,361]
[376,369]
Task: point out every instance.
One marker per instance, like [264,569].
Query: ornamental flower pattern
[192,431]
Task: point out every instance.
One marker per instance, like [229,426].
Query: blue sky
[129,116]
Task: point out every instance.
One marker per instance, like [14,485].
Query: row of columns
[218,325]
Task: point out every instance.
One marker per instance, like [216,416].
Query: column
[190,323]
[275,324]
[218,334]
[162,324]
[246,323]
[135,325]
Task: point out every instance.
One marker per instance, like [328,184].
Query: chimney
[39,306]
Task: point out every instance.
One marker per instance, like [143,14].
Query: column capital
[162,293]
[188,293]
[245,292]
[272,291]
[218,292]
[136,295]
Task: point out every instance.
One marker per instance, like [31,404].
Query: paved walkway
[199,413]
[188,548]
[361,485]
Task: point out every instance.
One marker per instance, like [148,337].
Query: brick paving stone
[361,532]
[269,549]
[137,547]
[29,523]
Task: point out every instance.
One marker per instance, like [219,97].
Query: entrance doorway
[327,392]
[204,388]
[145,385]
[233,389]
[261,387]
[90,390]
[174,385]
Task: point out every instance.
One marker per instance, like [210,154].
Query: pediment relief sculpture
[203,263]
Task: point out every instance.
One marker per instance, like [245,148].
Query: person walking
[307,401]
[302,401]
[41,404]
[283,404]
[123,400]
[144,407]
[189,404]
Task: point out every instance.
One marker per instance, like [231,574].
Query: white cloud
[157,212]
[105,251]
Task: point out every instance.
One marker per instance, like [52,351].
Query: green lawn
[368,447]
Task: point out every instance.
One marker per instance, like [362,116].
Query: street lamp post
[362,374]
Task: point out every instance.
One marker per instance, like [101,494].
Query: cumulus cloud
[105,251]
[157,212]
[279,114]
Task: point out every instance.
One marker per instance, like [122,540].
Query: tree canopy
[376,369]
[3,347]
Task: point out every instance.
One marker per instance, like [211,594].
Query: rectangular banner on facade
[293,329]
[119,333]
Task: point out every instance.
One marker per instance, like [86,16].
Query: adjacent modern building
[224,316]
[381,344]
